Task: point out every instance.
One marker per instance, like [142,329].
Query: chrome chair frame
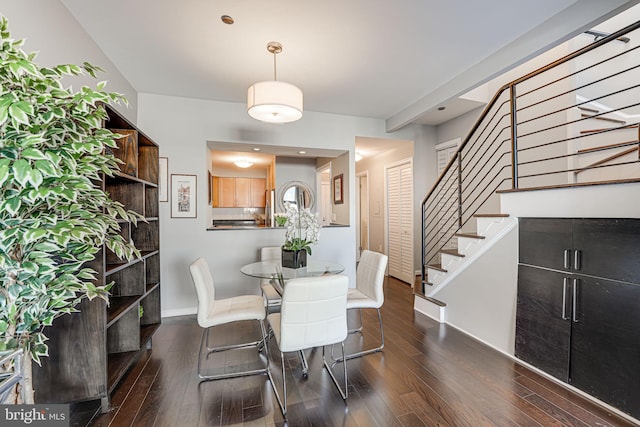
[234,309]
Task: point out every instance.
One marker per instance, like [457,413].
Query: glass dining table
[278,274]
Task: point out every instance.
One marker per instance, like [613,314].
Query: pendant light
[274,101]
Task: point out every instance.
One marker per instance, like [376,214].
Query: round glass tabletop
[270,269]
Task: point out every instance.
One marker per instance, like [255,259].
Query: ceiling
[368,58]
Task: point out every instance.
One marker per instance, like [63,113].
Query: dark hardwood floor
[427,375]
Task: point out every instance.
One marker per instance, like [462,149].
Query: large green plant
[54,216]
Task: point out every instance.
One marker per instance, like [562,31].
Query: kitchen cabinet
[91,350]
[578,306]
[258,192]
[230,192]
[224,192]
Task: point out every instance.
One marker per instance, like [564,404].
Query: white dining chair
[216,312]
[313,314]
[272,298]
[368,293]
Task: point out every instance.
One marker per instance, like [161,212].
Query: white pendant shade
[274,102]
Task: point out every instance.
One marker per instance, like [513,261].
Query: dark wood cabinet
[542,333]
[578,316]
[605,342]
[90,351]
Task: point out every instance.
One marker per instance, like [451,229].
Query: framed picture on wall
[163,179]
[183,196]
[337,190]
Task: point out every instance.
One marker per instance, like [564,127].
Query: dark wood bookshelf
[91,351]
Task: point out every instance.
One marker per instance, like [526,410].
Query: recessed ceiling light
[256,148]
[302,152]
[243,163]
[227,19]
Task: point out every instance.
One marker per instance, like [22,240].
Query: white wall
[49,28]
[181,127]
[481,301]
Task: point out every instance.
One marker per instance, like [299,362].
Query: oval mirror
[295,193]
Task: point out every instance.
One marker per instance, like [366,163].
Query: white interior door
[323,180]
[399,189]
[362,213]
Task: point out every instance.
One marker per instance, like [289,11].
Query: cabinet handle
[567,259]
[575,300]
[564,298]
[576,260]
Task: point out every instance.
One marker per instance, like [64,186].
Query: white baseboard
[429,309]
[179,312]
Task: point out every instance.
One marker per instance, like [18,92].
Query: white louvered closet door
[400,222]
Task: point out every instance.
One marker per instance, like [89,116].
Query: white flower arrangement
[303,229]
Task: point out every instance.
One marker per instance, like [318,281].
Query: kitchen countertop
[259,227]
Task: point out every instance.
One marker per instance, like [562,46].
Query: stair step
[452,252]
[593,110]
[608,159]
[606,147]
[469,235]
[608,129]
[433,300]
[437,267]
[498,215]
[606,119]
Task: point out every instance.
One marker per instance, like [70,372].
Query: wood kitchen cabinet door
[543,336]
[224,192]
[605,354]
[243,193]
[258,192]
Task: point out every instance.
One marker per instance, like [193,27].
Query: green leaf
[35,177]
[34,234]
[12,205]
[33,154]
[20,111]
[46,168]
[4,174]
[21,171]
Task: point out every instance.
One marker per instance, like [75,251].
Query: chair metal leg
[359,329]
[282,402]
[303,363]
[343,392]
[369,351]
[204,342]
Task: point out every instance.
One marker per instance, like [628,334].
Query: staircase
[469,246]
[572,123]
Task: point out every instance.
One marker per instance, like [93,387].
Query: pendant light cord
[275,75]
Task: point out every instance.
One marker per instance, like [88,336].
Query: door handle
[565,283]
[567,259]
[576,259]
[575,300]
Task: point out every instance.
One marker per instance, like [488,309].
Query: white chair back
[370,275]
[205,290]
[271,253]
[314,312]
